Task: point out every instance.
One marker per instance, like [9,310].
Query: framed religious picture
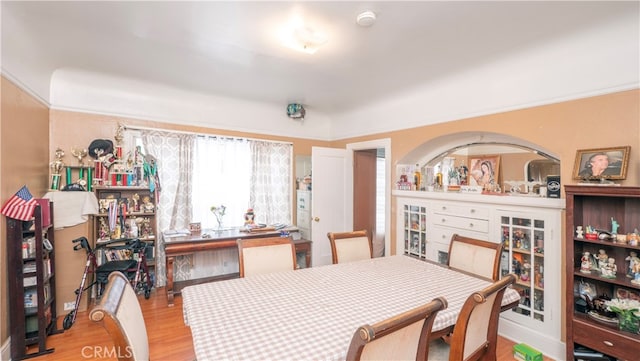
[484,171]
[601,163]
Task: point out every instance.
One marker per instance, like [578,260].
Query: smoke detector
[366,18]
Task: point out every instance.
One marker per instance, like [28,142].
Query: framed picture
[484,170]
[601,163]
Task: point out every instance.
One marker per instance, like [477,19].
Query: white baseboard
[550,347]
[5,351]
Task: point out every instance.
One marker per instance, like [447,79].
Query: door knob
[316,219]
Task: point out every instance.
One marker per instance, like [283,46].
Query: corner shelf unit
[32,286]
[596,206]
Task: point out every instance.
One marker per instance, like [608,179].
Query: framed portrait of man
[601,163]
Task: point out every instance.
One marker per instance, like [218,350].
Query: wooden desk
[311,314]
[185,245]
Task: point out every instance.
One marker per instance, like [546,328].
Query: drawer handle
[444,237]
[608,343]
[443,220]
[470,225]
[473,211]
[444,208]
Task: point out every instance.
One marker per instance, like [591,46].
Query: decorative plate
[603,319]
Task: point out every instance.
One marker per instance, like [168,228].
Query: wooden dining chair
[474,256]
[402,337]
[476,330]
[265,255]
[349,246]
[119,312]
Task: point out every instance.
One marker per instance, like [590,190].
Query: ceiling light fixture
[307,40]
[301,37]
[366,18]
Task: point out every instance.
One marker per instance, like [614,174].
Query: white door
[328,200]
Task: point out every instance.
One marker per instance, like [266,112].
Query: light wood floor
[169,338]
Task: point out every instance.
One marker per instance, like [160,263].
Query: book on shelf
[31,298]
[30,281]
[29,267]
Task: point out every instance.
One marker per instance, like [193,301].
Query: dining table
[312,313]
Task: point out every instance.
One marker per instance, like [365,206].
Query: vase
[629,323]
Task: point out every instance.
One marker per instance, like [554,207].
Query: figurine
[636,274]
[633,261]
[585,266]
[609,269]
[614,226]
[579,232]
[602,259]
[147,206]
[633,238]
[248,217]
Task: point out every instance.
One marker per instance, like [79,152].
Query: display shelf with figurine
[125,212]
[602,257]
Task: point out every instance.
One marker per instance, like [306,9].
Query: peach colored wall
[562,128]
[24,160]
[596,122]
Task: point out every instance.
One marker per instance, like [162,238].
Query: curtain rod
[129,127]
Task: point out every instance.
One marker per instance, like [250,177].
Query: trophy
[56,168]
[79,153]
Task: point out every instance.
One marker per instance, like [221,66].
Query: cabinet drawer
[605,340]
[469,224]
[443,235]
[461,210]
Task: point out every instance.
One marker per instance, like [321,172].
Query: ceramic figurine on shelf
[579,232]
[609,270]
[585,266]
[636,274]
[602,259]
[633,261]
[614,226]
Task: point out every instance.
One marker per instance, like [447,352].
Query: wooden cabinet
[126,213]
[529,229]
[31,278]
[597,206]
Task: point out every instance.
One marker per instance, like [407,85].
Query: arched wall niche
[518,155]
[446,144]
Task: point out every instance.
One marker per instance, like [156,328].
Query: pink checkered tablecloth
[311,314]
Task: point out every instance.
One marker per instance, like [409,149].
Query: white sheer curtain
[197,172]
[172,152]
[221,175]
[271,179]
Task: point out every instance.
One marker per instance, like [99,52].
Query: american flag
[20,205]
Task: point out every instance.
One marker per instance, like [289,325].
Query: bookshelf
[31,268]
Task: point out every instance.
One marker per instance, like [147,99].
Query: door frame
[371,144]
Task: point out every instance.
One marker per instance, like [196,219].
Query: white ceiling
[232,49]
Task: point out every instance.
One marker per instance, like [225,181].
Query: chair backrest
[119,312]
[402,337]
[265,255]
[476,331]
[474,256]
[349,246]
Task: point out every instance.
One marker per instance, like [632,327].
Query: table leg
[170,260]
